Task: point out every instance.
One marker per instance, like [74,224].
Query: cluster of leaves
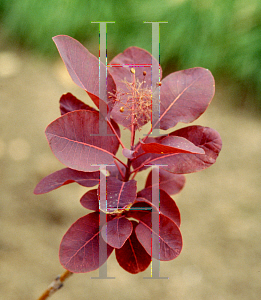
[75,140]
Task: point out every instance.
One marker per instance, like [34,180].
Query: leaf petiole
[119,169]
[114,131]
[115,157]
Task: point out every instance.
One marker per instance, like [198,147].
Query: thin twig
[119,169]
[135,171]
[116,134]
[115,157]
[55,285]
[144,139]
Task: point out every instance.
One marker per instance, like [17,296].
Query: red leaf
[116,232]
[169,182]
[204,137]
[90,200]
[142,158]
[79,249]
[66,176]
[69,102]
[132,257]
[119,193]
[72,142]
[172,144]
[169,237]
[83,67]
[184,96]
[167,205]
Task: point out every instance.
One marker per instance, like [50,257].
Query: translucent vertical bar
[102,77]
[155,78]
[102,208]
[155,220]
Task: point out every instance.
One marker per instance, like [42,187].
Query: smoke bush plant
[74,139]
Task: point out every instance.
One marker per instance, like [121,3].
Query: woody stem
[127,173]
[116,134]
[55,285]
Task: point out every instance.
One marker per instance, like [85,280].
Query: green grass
[223,36]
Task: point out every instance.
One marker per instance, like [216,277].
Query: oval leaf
[74,140]
[184,96]
[90,200]
[69,102]
[172,144]
[66,176]
[169,182]
[132,257]
[169,237]
[182,163]
[116,232]
[167,205]
[79,249]
[83,67]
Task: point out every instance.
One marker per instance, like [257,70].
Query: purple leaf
[119,193]
[204,137]
[69,102]
[83,67]
[172,144]
[132,257]
[184,96]
[167,205]
[169,237]
[90,200]
[169,182]
[141,157]
[79,249]
[66,176]
[73,141]
[116,232]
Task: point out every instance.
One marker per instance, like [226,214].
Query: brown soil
[220,207]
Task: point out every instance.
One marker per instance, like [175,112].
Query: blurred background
[220,207]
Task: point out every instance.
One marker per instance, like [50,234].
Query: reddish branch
[55,285]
